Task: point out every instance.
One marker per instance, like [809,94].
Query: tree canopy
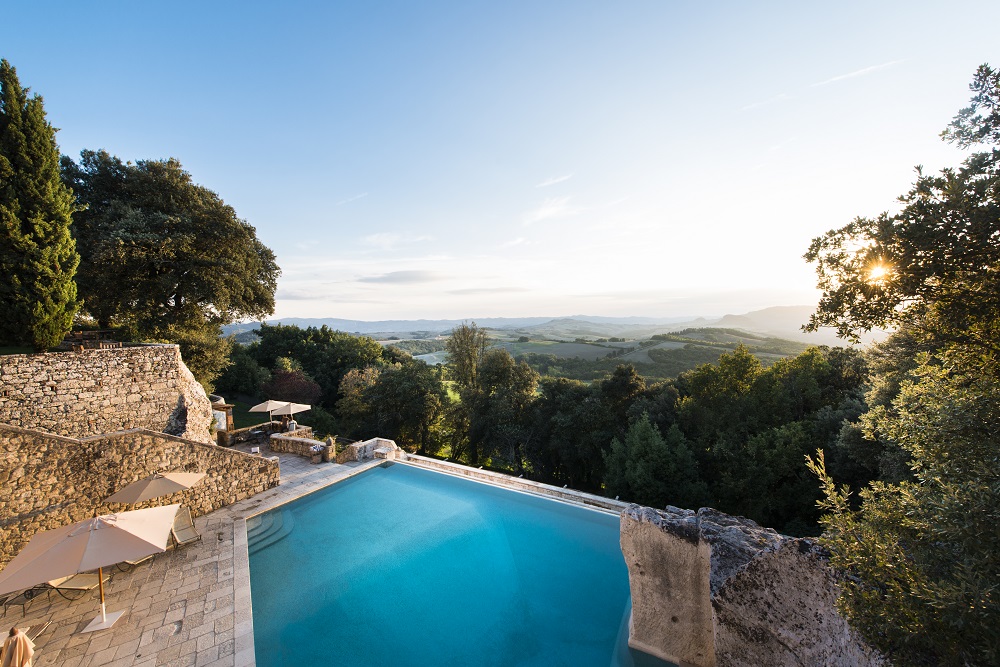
[164,258]
[920,553]
[38,258]
[935,265]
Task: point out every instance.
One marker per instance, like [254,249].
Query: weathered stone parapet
[48,480]
[373,448]
[712,589]
[257,434]
[299,441]
[79,394]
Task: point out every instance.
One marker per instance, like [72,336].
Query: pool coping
[540,489]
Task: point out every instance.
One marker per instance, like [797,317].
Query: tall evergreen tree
[38,257]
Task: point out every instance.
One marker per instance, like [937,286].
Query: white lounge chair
[183,531]
[76,586]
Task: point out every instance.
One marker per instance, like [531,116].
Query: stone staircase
[269,528]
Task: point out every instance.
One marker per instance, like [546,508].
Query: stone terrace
[189,607]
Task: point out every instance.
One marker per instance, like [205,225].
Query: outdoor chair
[76,586]
[127,565]
[34,631]
[183,531]
[20,599]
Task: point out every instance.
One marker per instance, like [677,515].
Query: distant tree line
[732,434]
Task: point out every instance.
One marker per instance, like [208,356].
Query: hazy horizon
[460,160]
[544,316]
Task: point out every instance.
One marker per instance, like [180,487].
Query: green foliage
[293,386]
[568,427]
[203,347]
[653,470]
[355,410]
[924,556]
[243,374]
[322,422]
[466,347]
[324,354]
[162,256]
[920,555]
[933,266]
[751,426]
[408,402]
[416,347]
[498,406]
[38,257]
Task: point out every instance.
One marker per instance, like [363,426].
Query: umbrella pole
[104,620]
[100,582]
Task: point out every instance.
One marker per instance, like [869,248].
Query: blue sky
[472,159]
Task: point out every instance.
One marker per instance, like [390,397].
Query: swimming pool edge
[531,487]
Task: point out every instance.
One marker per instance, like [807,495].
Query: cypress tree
[38,257]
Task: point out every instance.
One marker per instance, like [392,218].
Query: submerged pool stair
[270,528]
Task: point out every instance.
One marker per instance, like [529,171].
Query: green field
[588,351]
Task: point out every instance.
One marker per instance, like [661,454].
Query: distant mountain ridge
[778,321]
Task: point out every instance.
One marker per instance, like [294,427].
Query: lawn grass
[243,418]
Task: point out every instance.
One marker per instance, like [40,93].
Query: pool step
[268,529]
[264,526]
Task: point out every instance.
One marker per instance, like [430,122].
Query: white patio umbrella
[292,408]
[156,485]
[87,545]
[268,406]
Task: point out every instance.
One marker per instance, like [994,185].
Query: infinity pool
[402,566]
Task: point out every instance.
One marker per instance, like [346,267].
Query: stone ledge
[713,589]
[517,483]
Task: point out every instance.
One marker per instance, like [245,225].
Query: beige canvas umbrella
[292,408]
[268,406]
[156,485]
[88,545]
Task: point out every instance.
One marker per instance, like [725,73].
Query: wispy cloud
[403,277]
[763,103]
[350,199]
[856,73]
[553,207]
[552,181]
[388,240]
[513,242]
[295,295]
[488,290]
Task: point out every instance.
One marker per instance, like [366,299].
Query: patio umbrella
[156,485]
[292,408]
[268,406]
[87,545]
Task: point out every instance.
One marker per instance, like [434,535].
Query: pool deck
[188,607]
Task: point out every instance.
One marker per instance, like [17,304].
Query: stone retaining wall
[709,589]
[257,434]
[79,394]
[298,442]
[48,480]
[369,449]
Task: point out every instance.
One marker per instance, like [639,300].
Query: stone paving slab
[189,607]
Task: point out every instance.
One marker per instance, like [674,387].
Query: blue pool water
[402,566]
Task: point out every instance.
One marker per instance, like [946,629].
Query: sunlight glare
[879,272]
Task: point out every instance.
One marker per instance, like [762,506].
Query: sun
[879,272]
